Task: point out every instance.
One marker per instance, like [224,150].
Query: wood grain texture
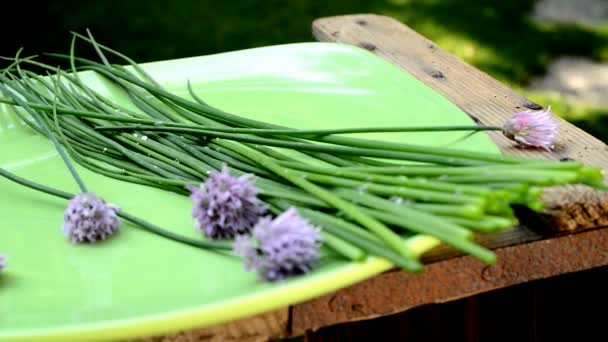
[483,98]
[261,328]
[453,279]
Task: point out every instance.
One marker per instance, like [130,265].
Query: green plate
[137,284]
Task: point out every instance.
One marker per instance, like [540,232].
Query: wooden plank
[453,279]
[483,98]
[261,328]
[535,311]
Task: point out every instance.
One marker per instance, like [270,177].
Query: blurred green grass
[497,37]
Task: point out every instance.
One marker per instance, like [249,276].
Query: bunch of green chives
[371,197]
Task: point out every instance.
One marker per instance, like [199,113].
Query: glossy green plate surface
[138,284]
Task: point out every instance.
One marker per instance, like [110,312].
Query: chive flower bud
[226,206]
[281,248]
[89,219]
[532,129]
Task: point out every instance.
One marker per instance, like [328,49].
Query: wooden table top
[567,238]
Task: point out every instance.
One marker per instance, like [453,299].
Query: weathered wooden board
[453,279]
[485,99]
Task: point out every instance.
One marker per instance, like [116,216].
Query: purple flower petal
[89,219]
[281,248]
[532,129]
[226,206]
[3,263]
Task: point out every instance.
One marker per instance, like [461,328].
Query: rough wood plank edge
[574,208]
[483,98]
[261,328]
[453,279]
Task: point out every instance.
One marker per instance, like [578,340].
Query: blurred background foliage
[498,37]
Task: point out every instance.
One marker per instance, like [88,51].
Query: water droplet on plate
[362,189]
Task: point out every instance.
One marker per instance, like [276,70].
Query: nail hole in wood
[437,74]
[367,46]
[532,105]
[361,22]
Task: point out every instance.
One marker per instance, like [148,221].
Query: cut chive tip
[590,174]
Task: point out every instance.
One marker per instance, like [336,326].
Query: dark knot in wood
[367,46]
[437,74]
[532,105]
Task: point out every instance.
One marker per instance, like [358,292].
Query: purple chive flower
[281,248]
[226,206]
[88,219]
[532,129]
[2,262]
